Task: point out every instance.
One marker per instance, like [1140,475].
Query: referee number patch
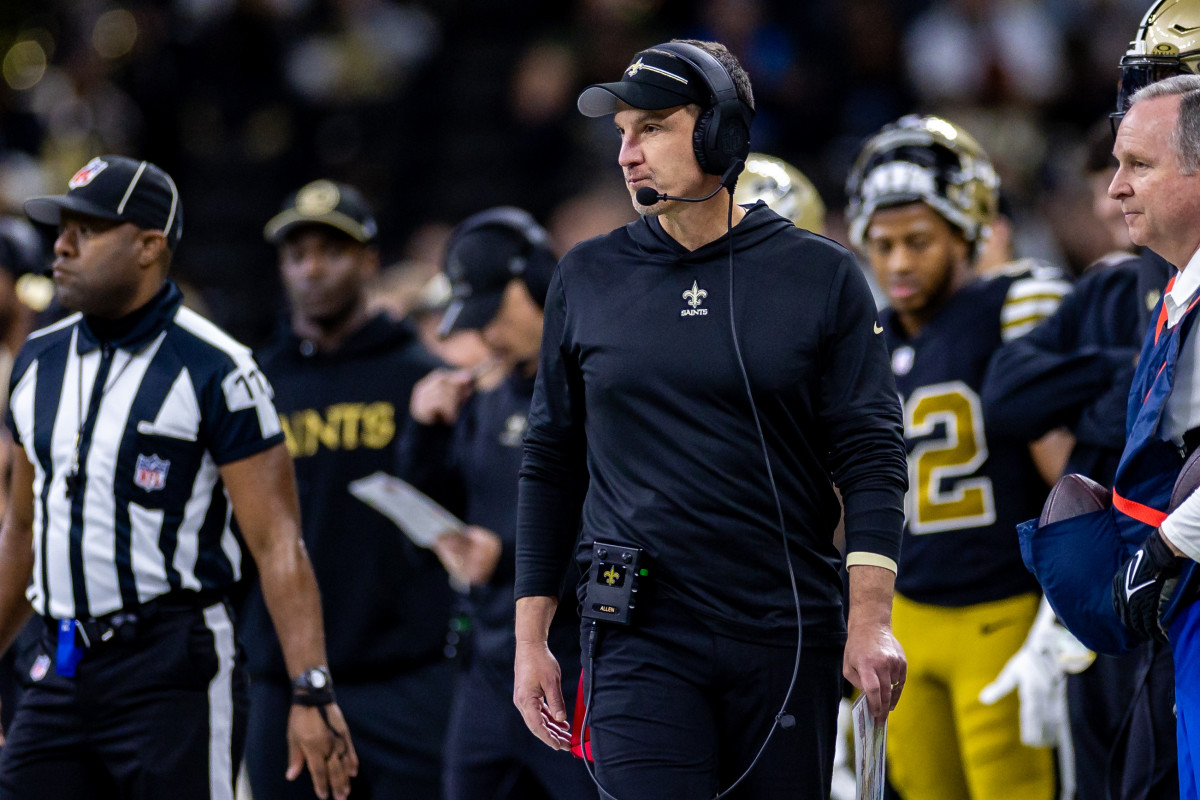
[246,388]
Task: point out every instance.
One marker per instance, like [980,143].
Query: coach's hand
[470,556]
[318,737]
[1143,583]
[439,396]
[874,661]
[537,694]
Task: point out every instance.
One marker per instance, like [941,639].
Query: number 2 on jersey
[942,496]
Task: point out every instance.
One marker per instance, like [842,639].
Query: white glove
[844,784]
[1038,672]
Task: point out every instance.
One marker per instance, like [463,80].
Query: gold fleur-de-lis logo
[634,68]
[695,295]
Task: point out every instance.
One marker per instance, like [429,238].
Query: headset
[722,134]
[535,262]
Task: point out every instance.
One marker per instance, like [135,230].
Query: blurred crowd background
[440,108]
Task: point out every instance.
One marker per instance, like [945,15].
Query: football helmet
[926,159]
[784,189]
[1167,43]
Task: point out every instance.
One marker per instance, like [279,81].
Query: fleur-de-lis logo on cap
[695,295]
[317,198]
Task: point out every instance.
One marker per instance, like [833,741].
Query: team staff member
[922,196]
[1074,370]
[1158,185]
[342,379]
[465,446]
[642,431]
[140,426]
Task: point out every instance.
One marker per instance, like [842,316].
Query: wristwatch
[313,687]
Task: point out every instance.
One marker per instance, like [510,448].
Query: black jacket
[640,390]
[386,602]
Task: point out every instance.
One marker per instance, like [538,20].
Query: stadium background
[437,109]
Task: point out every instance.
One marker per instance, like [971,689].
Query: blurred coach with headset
[689,422]
[462,445]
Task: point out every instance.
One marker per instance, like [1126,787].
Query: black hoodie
[386,602]
[640,389]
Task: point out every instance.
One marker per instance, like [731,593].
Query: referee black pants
[161,716]
[680,712]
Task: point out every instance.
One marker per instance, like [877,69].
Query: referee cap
[323,202]
[120,189]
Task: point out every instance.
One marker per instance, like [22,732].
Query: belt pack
[613,580]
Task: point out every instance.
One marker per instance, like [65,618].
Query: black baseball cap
[485,253]
[654,79]
[120,189]
[324,202]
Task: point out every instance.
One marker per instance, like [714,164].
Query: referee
[146,440]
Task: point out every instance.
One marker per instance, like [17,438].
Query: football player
[922,194]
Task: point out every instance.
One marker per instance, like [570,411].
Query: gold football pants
[943,744]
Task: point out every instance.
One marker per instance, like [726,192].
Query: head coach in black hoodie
[342,380]
[708,374]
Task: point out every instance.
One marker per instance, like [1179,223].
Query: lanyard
[87,425]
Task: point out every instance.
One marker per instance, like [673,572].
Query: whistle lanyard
[87,425]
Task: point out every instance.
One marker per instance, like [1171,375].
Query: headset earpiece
[722,133]
[699,139]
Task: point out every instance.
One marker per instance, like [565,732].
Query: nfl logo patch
[89,171]
[151,472]
[40,667]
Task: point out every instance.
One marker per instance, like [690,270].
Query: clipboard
[409,509]
[870,748]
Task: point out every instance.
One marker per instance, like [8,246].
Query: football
[1188,480]
[1075,494]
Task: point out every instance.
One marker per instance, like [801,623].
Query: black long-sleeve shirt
[640,392]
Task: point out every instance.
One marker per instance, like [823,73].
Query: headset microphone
[646,196]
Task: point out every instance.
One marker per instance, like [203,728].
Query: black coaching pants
[161,716]
[678,711]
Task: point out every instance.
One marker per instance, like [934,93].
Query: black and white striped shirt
[126,437]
